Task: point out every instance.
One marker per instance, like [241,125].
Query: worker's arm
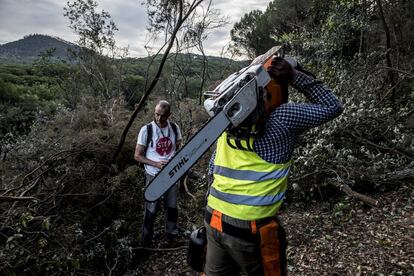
[139,156]
[298,117]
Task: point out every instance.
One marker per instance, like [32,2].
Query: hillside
[28,85]
[29,47]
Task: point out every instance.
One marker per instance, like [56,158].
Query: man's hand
[140,157]
[281,70]
[160,164]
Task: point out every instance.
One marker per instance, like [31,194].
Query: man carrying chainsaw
[157,143]
[250,177]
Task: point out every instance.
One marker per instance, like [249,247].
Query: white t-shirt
[162,147]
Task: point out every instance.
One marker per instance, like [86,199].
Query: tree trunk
[391,74]
[181,19]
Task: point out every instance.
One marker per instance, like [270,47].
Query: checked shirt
[286,122]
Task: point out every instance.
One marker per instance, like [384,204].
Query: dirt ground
[341,237]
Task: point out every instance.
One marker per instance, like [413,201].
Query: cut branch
[397,151]
[186,188]
[159,249]
[347,190]
[366,199]
[17,198]
[403,175]
[409,74]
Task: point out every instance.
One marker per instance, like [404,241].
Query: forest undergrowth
[330,236]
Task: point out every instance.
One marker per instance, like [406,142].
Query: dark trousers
[151,209]
[262,254]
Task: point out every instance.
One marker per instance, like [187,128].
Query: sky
[22,17]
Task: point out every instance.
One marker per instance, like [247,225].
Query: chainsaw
[235,104]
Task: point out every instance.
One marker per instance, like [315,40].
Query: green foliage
[70,150]
[258,31]
[32,91]
[181,77]
[85,216]
[98,70]
[370,139]
[133,88]
[344,43]
[327,29]
[87,213]
[251,34]
[22,97]
[95,29]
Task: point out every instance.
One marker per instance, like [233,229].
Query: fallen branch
[73,194]
[99,203]
[397,151]
[17,198]
[52,158]
[406,174]
[347,190]
[186,188]
[97,236]
[366,199]
[409,74]
[169,264]
[159,249]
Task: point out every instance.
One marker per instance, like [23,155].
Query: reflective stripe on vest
[246,186]
[246,199]
[250,175]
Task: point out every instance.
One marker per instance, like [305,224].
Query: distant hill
[28,48]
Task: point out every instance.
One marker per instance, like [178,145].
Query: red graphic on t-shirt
[163,146]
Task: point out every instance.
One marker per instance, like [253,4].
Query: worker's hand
[281,70]
[160,164]
[298,67]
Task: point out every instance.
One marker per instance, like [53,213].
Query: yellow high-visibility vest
[245,186]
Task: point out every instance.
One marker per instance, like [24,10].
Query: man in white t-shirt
[154,152]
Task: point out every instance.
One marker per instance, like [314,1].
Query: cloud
[130,18]
[236,9]
[21,17]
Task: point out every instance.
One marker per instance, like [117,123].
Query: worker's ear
[275,93]
[273,96]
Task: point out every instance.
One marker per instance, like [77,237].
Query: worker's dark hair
[280,70]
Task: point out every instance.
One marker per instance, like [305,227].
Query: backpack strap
[149,136]
[174,128]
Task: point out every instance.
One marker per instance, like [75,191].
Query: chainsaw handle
[296,65]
